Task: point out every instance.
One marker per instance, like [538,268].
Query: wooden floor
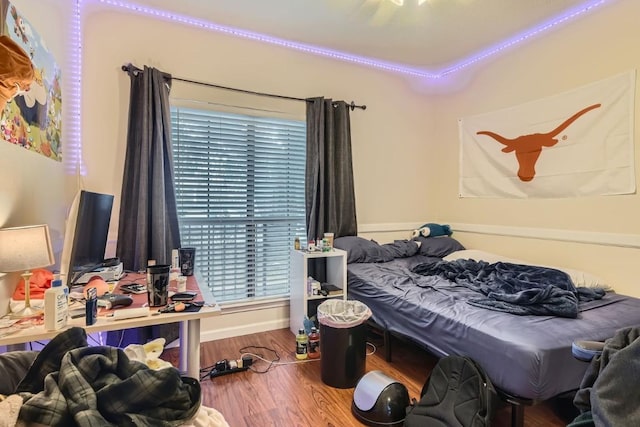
[293,394]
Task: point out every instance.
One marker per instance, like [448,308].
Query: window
[240,196]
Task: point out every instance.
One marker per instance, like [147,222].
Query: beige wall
[595,47]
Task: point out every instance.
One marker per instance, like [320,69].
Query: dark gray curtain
[148,226]
[329,193]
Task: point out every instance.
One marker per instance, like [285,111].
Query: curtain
[329,193]
[148,226]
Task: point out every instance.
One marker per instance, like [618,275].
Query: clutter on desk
[182,306]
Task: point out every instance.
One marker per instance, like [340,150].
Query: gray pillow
[362,250]
[13,367]
[402,248]
[440,246]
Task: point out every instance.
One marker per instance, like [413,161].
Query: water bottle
[301,344]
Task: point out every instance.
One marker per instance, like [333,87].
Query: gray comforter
[514,288]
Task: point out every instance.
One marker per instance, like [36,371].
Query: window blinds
[240,195]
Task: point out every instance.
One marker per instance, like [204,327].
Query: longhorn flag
[578,143]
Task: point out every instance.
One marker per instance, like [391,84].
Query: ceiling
[436,36]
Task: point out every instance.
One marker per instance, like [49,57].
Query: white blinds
[240,195]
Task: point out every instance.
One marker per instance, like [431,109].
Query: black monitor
[86,233]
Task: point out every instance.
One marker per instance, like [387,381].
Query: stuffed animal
[431,229]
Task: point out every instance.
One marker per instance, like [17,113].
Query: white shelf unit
[336,274]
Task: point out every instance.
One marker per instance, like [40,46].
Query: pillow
[362,250]
[579,278]
[402,248]
[438,246]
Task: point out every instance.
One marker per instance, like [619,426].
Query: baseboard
[246,329]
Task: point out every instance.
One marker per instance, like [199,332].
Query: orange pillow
[39,282]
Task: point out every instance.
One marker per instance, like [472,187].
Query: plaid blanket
[72,384]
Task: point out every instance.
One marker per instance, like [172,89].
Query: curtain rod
[130,68]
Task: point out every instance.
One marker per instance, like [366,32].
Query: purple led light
[72,148]
[542,28]
[369,62]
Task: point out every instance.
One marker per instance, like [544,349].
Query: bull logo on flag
[528,147]
[572,144]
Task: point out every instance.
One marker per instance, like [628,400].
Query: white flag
[579,143]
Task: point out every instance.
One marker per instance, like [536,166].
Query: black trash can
[343,342]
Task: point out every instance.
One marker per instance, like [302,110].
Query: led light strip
[564,18]
[343,56]
[72,149]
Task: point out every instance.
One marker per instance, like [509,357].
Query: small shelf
[333,266]
[320,297]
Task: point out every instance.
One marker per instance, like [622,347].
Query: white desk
[189,326]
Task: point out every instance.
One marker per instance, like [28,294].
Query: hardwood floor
[293,394]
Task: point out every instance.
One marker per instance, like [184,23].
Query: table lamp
[23,249]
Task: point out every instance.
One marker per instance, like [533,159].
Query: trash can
[343,334]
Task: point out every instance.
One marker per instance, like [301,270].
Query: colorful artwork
[33,118]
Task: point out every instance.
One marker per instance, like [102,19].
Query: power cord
[248,354]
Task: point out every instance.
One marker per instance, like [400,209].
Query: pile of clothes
[609,394]
[69,383]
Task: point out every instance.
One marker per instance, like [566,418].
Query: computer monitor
[86,233]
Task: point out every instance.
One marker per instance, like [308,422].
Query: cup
[329,238]
[181,284]
[158,285]
[187,259]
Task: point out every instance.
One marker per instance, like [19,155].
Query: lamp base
[26,312]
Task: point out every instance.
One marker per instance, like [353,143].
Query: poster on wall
[31,107]
[575,144]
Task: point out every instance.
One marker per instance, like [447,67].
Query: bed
[527,357]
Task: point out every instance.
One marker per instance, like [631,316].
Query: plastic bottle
[56,306]
[313,351]
[301,344]
[296,244]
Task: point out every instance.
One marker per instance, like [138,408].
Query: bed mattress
[527,356]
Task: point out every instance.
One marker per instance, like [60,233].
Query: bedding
[578,277]
[514,288]
[526,356]
[360,249]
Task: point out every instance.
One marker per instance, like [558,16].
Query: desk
[189,325]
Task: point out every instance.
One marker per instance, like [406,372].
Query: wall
[594,47]
[396,118]
[32,186]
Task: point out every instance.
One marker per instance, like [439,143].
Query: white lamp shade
[25,248]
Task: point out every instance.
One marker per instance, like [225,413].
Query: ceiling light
[401,2]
